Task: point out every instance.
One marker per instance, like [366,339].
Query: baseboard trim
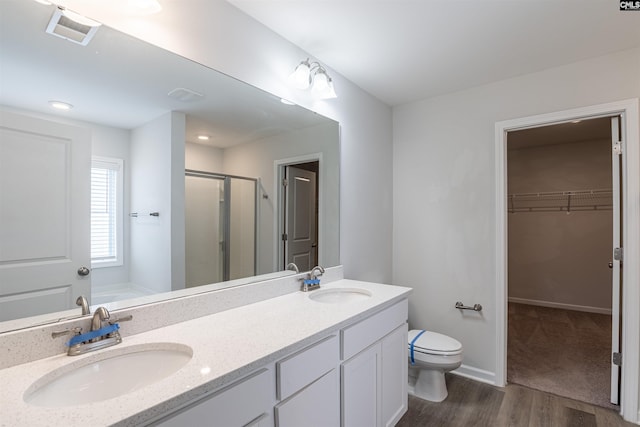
[476,374]
[550,304]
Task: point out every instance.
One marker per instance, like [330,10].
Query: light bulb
[300,78]
[323,86]
[61,105]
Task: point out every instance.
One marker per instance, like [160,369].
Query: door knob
[83,271]
[610,264]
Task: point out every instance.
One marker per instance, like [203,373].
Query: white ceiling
[405,50]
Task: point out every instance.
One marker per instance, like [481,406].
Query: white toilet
[430,356]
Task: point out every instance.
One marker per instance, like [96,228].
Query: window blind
[104,211]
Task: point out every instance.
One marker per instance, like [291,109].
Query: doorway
[560,223]
[299,220]
[628,110]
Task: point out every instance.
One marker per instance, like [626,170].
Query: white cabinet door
[374,383]
[44,215]
[243,404]
[394,376]
[317,405]
[360,385]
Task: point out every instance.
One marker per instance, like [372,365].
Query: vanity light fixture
[313,75]
[60,105]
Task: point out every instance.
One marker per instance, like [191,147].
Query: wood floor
[471,403]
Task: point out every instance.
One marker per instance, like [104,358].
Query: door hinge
[284,237]
[618,254]
[285,182]
[617,148]
[616,358]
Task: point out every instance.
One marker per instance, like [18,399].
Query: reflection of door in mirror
[220,218]
[44,221]
[300,243]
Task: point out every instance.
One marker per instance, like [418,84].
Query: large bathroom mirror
[162,178]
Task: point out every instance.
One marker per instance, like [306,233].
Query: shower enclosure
[220,214]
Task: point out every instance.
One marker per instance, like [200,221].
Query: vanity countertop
[226,346]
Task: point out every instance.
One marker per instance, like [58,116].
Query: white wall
[257,159]
[218,35]
[444,190]
[157,154]
[203,158]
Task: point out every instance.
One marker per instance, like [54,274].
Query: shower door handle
[610,264]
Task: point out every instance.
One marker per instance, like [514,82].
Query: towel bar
[461,306]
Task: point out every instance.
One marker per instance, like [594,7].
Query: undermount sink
[339,295]
[108,375]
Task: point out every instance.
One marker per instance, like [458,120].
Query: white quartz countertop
[226,346]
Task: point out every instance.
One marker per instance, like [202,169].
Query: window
[106,212]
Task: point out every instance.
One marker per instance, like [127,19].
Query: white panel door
[300,222]
[616,280]
[44,215]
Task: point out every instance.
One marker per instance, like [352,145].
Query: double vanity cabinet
[287,361]
[356,376]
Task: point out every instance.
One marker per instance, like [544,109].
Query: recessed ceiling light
[185,95]
[45,2]
[287,102]
[59,105]
[203,137]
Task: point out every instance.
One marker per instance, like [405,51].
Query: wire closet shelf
[561,201]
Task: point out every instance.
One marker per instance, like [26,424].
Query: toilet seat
[434,343]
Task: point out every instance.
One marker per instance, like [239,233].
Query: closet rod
[561,201]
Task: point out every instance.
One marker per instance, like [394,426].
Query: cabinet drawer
[245,403]
[361,335]
[317,405]
[302,368]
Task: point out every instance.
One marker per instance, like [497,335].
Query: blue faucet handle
[93,334]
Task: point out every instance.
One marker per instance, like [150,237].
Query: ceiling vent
[64,27]
[185,95]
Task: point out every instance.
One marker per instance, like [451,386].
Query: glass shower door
[220,225]
[204,230]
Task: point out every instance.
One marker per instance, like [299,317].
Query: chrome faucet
[293,267]
[101,315]
[82,302]
[311,282]
[313,275]
[100,335]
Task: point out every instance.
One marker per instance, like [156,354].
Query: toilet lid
[434,342]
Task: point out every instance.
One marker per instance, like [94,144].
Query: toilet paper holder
[475,307]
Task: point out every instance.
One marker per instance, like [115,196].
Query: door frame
[629,111]
[278,217]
